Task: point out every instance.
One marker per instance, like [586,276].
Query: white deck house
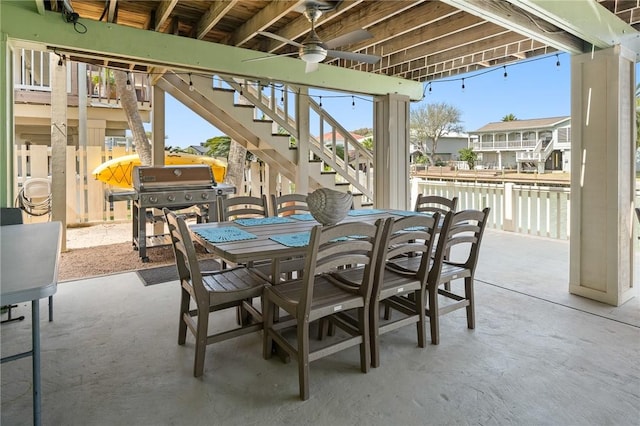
[540,144]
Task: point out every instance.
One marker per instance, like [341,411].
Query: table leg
[35,337]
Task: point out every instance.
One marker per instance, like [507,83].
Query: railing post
[508,208]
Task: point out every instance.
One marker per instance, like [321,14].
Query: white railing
[534,210]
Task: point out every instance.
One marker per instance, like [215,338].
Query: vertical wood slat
[38,161]
[95,192]
[71,187]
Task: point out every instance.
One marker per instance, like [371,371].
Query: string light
[282,96]
[128,86]
[191,88]
[463,84]
[60,60]
[557,60]
[430,88]
[240,89]
[505,71]
[320,102]
[353,102]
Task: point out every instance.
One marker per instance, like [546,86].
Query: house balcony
[538,355]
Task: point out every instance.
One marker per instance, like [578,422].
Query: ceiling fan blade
[260,58]
[353,56]
[279,38]
[311,67]
[348,38]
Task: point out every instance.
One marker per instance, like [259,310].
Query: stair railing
[354,166]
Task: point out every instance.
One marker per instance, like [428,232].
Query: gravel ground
[106,249]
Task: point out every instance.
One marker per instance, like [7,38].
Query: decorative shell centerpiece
[328,206]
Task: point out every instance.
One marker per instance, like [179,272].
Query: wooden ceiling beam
[163,12]
[261,20]
[212,16]
[398,27]
[112,10]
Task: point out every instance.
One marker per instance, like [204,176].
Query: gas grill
[173,187]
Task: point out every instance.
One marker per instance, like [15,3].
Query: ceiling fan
[313,50]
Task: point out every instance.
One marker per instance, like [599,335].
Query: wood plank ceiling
[416,39]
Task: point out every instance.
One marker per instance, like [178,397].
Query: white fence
[535,210]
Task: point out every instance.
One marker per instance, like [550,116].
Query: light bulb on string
[557,61]
[240,89]
[353,102]
[282,96]
[430,88]
[505,71]
[60,60]
[191,88]
[463,84]
[128,85]
[320,105]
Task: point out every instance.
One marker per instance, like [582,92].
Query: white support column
[59,143]
[391,151]
[603,178]
[302,121]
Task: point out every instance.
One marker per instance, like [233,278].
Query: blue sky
[533,89]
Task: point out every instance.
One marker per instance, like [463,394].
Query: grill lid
[156,178]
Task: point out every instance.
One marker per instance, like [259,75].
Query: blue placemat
[364,212]
[410,213]
[262,221]
[224,234]
[306,216]
[298,239]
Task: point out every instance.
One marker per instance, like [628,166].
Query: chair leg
[374,332]
[267,317]
[422,318]
[9,317]
[434,317]
[201,340]
[50,308]
[365,346]
[184,310]
[303,359]
[471,315]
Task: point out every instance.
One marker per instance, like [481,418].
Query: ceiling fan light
[313,53]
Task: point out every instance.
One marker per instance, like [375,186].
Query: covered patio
[538,355]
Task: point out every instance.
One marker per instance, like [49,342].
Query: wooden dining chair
[13,216]
[435,203]
[392,282]
[322,292]
[244,206]
[215,291]
[287,204]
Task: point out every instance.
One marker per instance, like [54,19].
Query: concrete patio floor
[538,356]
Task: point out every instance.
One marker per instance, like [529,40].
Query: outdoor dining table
[272,238]
[29,256]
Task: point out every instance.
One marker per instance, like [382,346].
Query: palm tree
[509,117]
[129,103]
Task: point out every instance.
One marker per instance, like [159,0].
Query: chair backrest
[460,238]
[186,260]
[287,204]
[10,216]
[435,203]
[242,207]
[405,236]
[341,247]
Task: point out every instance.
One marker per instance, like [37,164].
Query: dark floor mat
[163,274]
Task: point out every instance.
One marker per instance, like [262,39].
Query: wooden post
[59,143]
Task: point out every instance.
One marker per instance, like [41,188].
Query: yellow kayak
[118,172]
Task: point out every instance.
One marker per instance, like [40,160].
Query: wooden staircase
[256,121]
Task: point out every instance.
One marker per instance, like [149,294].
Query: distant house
[540,144]
[447,150]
